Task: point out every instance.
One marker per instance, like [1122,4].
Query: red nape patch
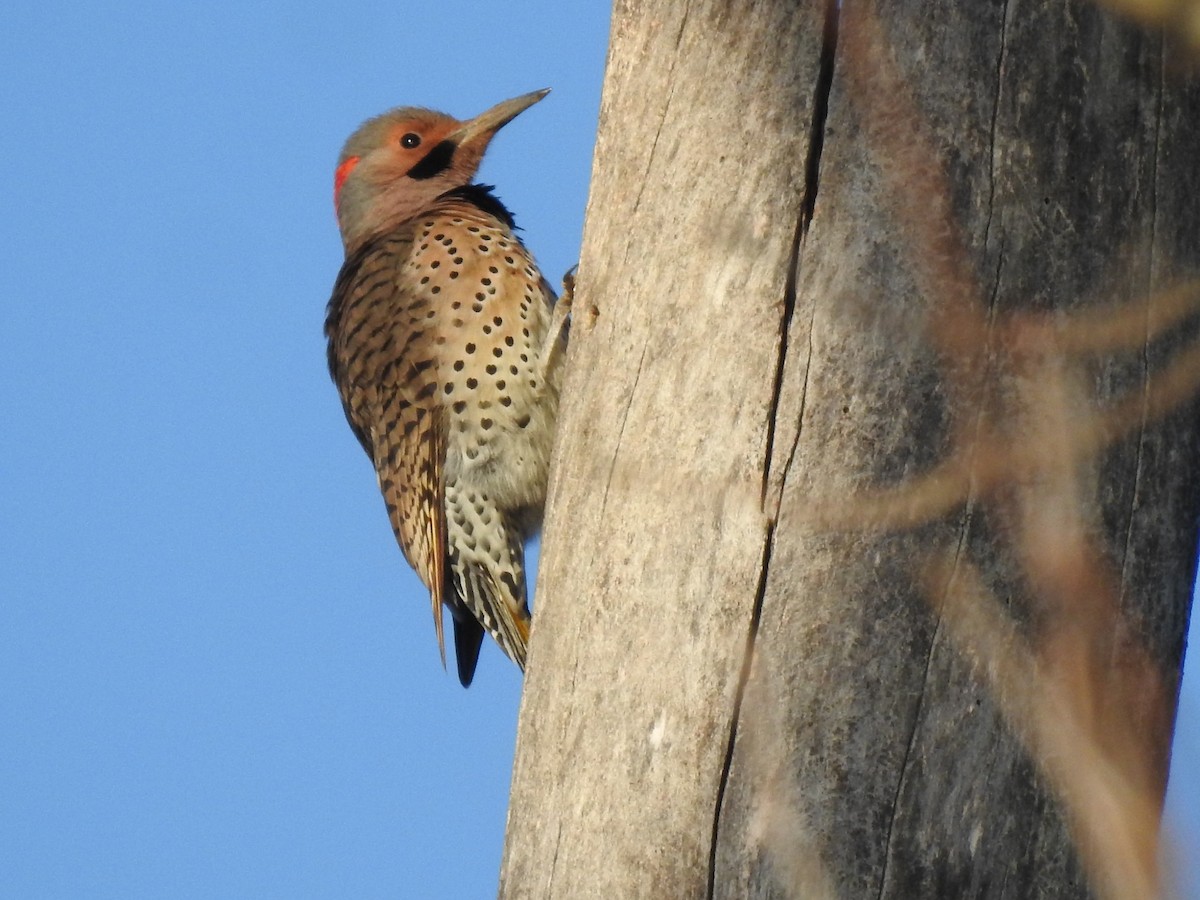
[340,176]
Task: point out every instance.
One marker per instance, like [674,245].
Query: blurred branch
[990,462]
[1113,820]
[1178,16]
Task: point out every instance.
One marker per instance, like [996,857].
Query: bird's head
[398,163]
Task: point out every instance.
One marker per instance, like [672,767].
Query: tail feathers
[497,601]
[468,638]
[486,575]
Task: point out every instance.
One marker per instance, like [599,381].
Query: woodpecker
[445,344]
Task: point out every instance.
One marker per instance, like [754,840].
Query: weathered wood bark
[752,334]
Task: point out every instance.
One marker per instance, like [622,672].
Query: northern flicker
[446,349]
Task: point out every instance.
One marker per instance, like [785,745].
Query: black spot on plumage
[511,583]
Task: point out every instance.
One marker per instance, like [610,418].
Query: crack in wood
[621,432]
[637,202]
[812,177]
[1000,57]
[977,428]
[1135,500]
[554,861]
[785,327]
[916,724]
[812,172]
[743,677]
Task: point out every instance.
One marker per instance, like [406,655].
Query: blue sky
[220,678]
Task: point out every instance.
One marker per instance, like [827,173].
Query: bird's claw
[568,286]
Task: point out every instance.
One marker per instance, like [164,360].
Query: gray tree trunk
[871,533]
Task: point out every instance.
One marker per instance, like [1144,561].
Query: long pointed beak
[488,123]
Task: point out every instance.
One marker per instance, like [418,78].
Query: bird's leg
[559,326]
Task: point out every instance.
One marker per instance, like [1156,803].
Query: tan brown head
[397,164]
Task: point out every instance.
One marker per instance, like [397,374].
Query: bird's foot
[568,287]
[560,326]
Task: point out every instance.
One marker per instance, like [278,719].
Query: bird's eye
[410,140]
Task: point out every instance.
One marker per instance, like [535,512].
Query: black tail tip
[468,638]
